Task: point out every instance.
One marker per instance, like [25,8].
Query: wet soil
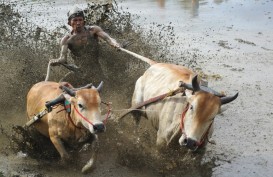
[232,53]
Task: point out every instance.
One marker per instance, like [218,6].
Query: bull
[60,126]
[186,119]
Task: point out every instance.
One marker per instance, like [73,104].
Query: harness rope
[161,97]
[152,100]
[83,117]
[204,136]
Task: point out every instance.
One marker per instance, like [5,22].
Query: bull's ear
[188,93]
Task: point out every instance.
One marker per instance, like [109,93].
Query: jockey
[82,42]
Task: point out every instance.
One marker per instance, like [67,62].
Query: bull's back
[37,96]
[162,78]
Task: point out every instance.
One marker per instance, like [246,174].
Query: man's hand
[56,62]
[115,45]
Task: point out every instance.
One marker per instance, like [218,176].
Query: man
[82,41]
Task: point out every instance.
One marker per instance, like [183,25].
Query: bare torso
[83,45]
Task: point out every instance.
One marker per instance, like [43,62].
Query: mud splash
[24,55]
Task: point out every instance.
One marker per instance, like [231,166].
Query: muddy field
[229,43]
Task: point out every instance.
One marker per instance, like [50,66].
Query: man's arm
[63,53]
[103,35]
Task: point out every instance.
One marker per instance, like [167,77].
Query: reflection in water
[219,1]
[195,7]
[192,5]
[161,3]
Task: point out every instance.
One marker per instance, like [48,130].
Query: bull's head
[197,118]
[85,108]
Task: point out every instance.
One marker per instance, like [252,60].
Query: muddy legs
[91,163]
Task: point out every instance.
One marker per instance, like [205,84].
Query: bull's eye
[80,106]
[191,107]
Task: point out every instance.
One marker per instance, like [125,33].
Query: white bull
[188,118]
[85,116]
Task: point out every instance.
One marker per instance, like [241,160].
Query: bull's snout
[99,128]
[190,143]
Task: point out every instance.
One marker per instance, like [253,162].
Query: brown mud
[231,59]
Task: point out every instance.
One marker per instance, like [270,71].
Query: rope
[130,110]
[83,117]
[108,112]
[153,100]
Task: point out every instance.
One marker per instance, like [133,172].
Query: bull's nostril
[99,128]
[192,144]
[185,141]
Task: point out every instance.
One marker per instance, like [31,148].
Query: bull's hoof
[89,166]
[85,138]
[65,160]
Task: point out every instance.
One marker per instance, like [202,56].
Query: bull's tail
[145,59]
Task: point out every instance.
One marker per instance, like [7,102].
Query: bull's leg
[173,136]
[160,140]
[173,132]
[57,142]
[90,164]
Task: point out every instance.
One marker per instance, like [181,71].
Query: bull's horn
[68,91]
[84,87]
[195,83]
[225,100]
[210,90]
[100,86]
[206,89]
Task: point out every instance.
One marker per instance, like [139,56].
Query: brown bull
[185,118]
[58,125]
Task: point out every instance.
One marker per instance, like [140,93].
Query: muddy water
[229,41]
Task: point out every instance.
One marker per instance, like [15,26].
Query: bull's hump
[45,90]
[172,72]
[47,84]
